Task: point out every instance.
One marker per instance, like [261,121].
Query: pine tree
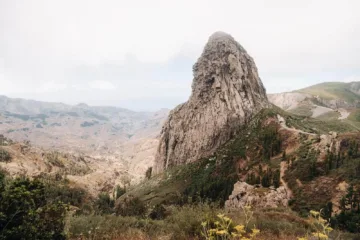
[257,180]
[283,156]
[349,196]
[276,179]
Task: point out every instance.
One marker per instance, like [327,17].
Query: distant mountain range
[100,132]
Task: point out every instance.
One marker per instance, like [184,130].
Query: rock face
[245,194]
[226,93]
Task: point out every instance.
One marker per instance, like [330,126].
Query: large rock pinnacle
[226,93]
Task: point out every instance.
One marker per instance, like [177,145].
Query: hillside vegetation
[329,101]
[174,204]
[315,167]
[348,92]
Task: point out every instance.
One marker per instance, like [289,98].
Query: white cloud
[102,85]
[49,87]
[42,41]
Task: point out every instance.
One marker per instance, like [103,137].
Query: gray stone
[226,93]
[245,194]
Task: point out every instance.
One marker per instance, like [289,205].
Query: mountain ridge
[327,100]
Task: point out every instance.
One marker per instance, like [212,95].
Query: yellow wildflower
[240,228]
[221,232]
[314,213]
[320,236]
[254,232]
[321,220]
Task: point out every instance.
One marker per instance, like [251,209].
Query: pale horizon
[139,55]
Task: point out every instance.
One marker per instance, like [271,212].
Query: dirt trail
[282,122]
[283,168]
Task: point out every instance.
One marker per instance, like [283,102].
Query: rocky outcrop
[226,93]
[257,197]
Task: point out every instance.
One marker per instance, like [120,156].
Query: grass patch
[317,126]
[354,116]
[333,115]
[332,90]
[302,110]
[185,223]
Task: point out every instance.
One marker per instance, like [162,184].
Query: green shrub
[148,173]
[119,191]
[114,227]
[104,204]
[186,221]
[349,217]
[60,191]
[131,206]
[271,142]
[158,212]
[211,180]
[4,155]
[26,214]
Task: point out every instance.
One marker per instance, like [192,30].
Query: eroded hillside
[114,138]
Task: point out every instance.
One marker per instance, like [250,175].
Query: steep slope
[289,160]
[79,170]
[226,93]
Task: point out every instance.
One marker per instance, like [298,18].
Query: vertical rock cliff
[226,93]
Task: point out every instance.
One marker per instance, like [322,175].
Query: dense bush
[181,223]
[131,206]
[211,180]
[349,217]
[25,212]
[104,204]
[158,212]
[184,222]
[271,142]
[119,191]
[4,155]
[59,191]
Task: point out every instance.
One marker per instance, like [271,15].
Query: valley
[114,142]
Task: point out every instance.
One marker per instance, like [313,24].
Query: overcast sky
[139,54]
